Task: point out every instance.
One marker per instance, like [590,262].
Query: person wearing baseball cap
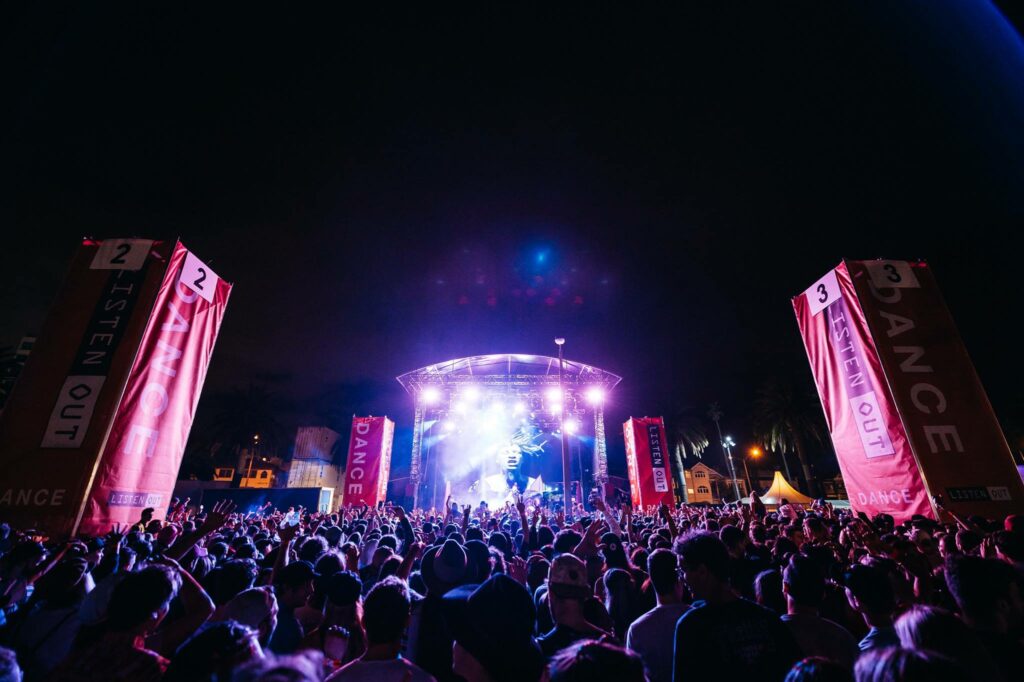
[493,628]
[568,589]
[444,568]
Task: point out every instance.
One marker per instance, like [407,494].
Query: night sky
[388,191]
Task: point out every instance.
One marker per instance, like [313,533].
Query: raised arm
[197,607]
[217,517]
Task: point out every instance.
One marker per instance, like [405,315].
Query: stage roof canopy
[517,373]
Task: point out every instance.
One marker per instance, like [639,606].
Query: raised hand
[287,533]
[517,569]
[217,517]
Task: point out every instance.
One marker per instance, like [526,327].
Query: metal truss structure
[529,380]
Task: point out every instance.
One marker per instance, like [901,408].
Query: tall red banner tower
[369,460]
[647,461]
[96,427]
[907,413]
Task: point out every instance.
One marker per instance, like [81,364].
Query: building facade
[707,485]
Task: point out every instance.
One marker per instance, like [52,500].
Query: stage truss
[530,381]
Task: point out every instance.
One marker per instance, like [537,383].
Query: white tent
[780,489]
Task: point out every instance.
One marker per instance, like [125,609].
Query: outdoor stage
[490,424]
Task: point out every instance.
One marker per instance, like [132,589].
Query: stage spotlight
[449,425]
[430,395]
[519,408]
[571,426]
[554,395]
[497,406]
[471,393]
[595,395]
[460,407]
[555,408]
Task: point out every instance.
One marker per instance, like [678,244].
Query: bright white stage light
[430,395]
[519,408]
[471,393]
[460,407]
[595,395]
[497,406]
[553,395]
[449,425]
[555,408]
[571,426]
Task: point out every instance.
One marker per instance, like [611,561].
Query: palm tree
[241,413]
[689,437]
[786,417]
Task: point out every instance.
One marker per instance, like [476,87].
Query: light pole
[566,473]
[727,444]
[754,452]
[252,456]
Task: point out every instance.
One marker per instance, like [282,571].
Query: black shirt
[737,639]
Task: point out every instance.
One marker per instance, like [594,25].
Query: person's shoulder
[835,628]
[698,613]
[416,673]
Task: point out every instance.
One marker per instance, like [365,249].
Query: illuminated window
[700,474]
[703,490]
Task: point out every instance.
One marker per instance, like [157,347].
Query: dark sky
[385,190]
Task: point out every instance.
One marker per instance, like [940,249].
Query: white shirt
[653,636]
[394,670]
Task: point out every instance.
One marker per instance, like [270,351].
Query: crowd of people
[520,593]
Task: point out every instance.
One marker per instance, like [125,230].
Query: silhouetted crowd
[516,594]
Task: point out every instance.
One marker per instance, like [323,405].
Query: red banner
[877,462]
[960,447]
[647,461]
[59,414]
[140,460]
[369,460]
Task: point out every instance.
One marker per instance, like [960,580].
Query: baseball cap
[568,578]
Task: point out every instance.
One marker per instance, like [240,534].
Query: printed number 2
[823,292]
[202,278]
[894,275]
[122,251]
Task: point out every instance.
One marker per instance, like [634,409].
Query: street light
[252,455]
[566,476]
[754,452]
[727,443]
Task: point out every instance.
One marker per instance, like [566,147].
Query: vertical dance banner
[140,460]
[647,461]
[58,416]
[369,460]
[960,447]
[886,358]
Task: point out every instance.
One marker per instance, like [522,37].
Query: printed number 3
[122,251]
[823,292]
[202,278]
[894,276]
